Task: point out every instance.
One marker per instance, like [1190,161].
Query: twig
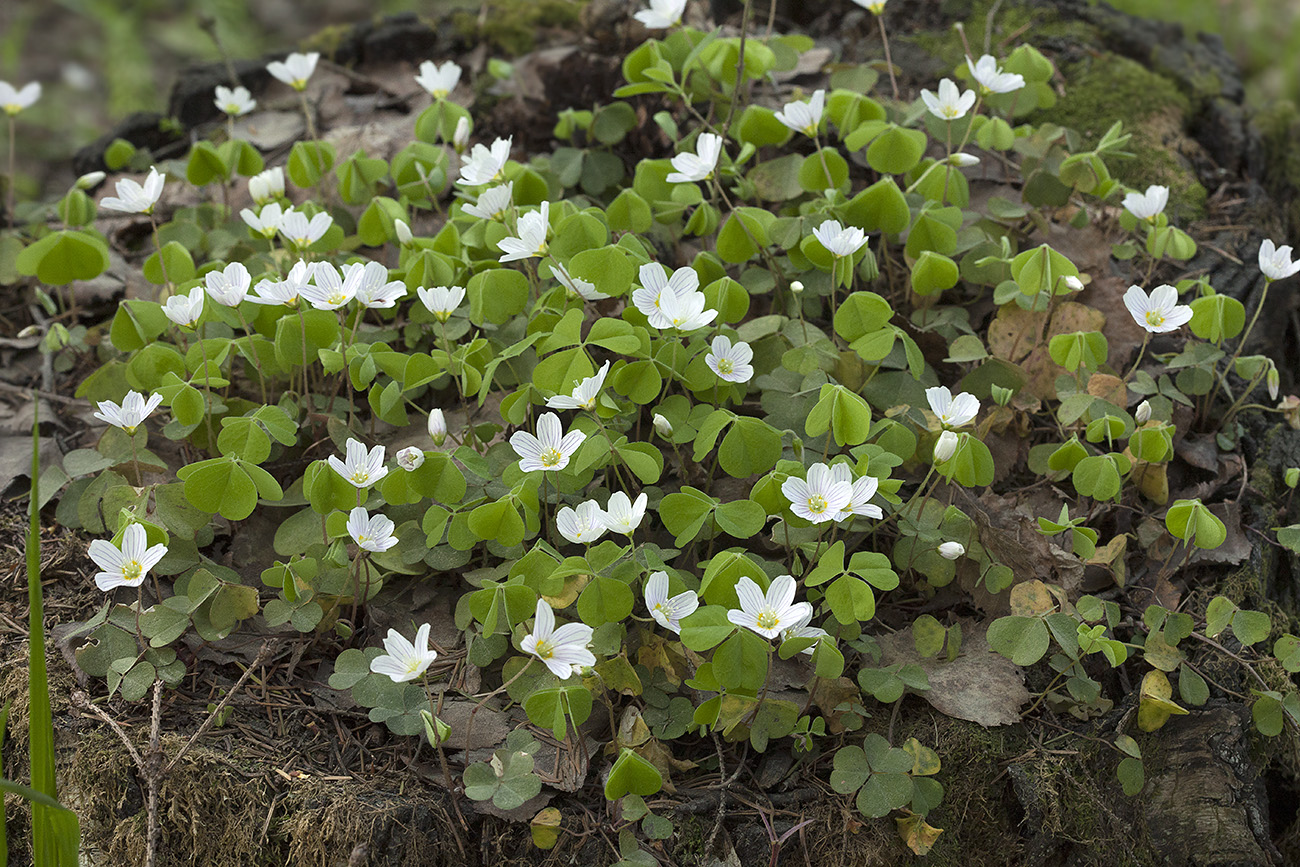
[81,700]
[153,777]
[212,717]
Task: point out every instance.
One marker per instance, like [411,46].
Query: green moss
[1279,127]
[512,25]
[1033,24]
[1103,89]
[327,39]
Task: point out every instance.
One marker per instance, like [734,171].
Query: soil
[298,774]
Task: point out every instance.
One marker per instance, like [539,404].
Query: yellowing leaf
[1031,598]
[919,836]
[572,587]
[1155,706]
[546,828]
[925,761]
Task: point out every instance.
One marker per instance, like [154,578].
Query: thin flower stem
[469,726]
[257,363]
[1146,338]
[9,205]
[153,222]
[889,62]
[1241,344]
[207,386]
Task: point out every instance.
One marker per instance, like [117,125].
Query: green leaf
[845,414]
[632,774]
[220,486]
[1131,776]
[933,273]
[896,150]
[309,161]
[706,628]
[1250,627]
[499,521]
[496,294]
[1191,521]
[62,257]
[1023,640]
[604,600]
[751,446]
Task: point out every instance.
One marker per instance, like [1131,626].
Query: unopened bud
[962,161]
[796,286]
[1074,284]
[946,446]
[951,550]
[437,427]
[460,138]
[663,425]
[1274,381]
[1143,414]
[403,232]
[88,180]
[1292,476]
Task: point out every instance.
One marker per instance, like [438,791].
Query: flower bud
[266,186]
[1074,284]
[403,232]
[1143,413]
[1292,476]
[1273,380]
[460,138]
[663,425]
[961,161]
[796,286]
[946,446]
[437,427]
[951,550]
[88,180]
[410,458]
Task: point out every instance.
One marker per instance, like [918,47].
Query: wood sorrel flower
[992,79]
[438,80]
[266,223]
[656,285]
[125,566]
[697,166]
[295,69]
[229,286]
[328,289]
[14,100]
[437,427]
[267,185]
[410,459]
[662,14]
[403,661]
[1275,262]
[132,198]
[371,533]
[584,394]
[236,102]
[819,498]
[950,103]
[840,241]
[1158,312]
[668,612]
[583,524]
[577,287]
[952,411]
[804,117]
[492,202]
[360,468]
[860,493]
[622,514]
[951,550]
[185,309]
[550,449]
[531,242]
[441,301]
[374,289]
[560,649]
[295,227]
[946,446]
[768,614]
[801,629]
[131,414]
[485,165]
[1149,205]
[730,362]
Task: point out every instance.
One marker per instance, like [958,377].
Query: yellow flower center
[362,538]
[544,650]
[1155,318]
[551,458]
[768,619]
[132,570]
[360,477]
[413,665]
[817,504]
[725,366]
[950,112]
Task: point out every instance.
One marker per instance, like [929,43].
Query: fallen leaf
[1155,707]
[1031,598]
[919,836]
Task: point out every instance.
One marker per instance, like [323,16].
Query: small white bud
[410,458]
[662,425]
[1273,380]
[403,232]
[460,138]
[946,446]
[88,180]
[1074,284]
[796,286]
[961,161]
[951,550]
[437,427]
[1143,412]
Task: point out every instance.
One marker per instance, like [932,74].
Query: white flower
[860,493]
[125,566]
[668,612]
[403,661]
[578,288]
[460,137]
[492,202]
[438,80]
[403,232]
[295,227]
[441,301]
[820,498]
[663,425]
[662,13]
[410,459]
[550,449]
[329,290]
[656,285]
[267,223]
[1160,311]
[295,69]
[1276,262]
[437,427]
[185,309]
[951,103]
[802,116]
[564,650]
[730,363]
[986,73]
[13,100]
[132,198]
[236,103]
[768,614]
[371,533]
[485,165]
[952,411]
[1148,205]
[229,286]
[801,629]
[267,185]
[533,227]
[584,394]
[1143,412]
[131,414]
[361,468]
[839,240]
[951,550]
[582,525]
[285,291]
[962,161]
[946,446]
[374,289]
[875,7]
[89,180]
[698,166]
[686,312]
[796,286]
[623,515]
